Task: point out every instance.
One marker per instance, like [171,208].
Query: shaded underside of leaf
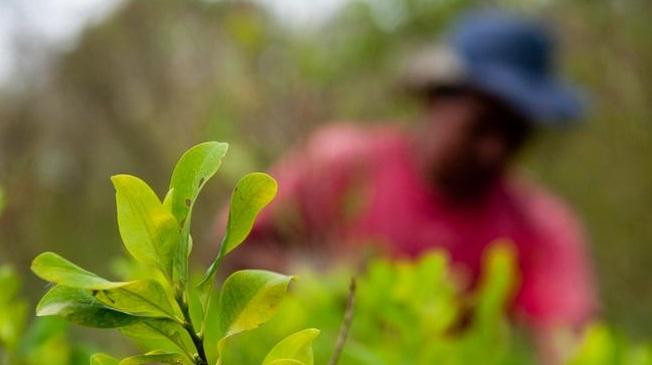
[163,332]
[81,307]
[140,298]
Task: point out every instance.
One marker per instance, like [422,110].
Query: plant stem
[346,325]
[196,339]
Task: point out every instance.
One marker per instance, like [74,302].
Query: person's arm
[304,216]
[558,296]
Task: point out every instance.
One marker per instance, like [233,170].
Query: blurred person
[448,183]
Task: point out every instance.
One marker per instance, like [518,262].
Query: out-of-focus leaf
[497,284]
[154,357]
[81,307]
[297,347]
[149,231]
[9,284]
[103,359]
[194,168]
[248,299]
[53,268]
[140,298]
[252,193]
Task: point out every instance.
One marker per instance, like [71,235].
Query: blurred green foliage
[414,313]
[27,342]
[157,76]
[400,307]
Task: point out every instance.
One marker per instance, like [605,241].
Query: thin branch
[346,325]
[201,358]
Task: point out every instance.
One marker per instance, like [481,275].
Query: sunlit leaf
[103,359]
[154,357]
[149,231]
[286,362]
[248,299]
[140,298]
[81,307]
[194,168]
[297,347]
[252,193]
[53,268]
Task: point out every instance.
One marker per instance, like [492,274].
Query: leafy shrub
[172,318]
[407,312]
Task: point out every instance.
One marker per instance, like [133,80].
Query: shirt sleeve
[557,282]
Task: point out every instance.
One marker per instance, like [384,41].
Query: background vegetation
[157,77]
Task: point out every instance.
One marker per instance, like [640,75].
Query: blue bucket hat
[506,56]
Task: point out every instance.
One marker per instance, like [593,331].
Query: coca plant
[163,310]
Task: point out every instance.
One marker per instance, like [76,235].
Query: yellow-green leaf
[251,194]
[53,268]
[194,168]
[103,359]
[248,299]
[286,362]
[149,231]
[297,346]
[154,357]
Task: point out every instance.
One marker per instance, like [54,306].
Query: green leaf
[81,307]
[248,299]
[145,298]
[286,362]
[194,168]
[297,346]
[163,333]
[252,193]
[158,357]
[103,359]
[53,268]
[149,231]
[9,284]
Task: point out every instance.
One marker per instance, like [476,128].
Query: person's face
[469,139]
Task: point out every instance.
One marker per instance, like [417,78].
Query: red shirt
[349,185]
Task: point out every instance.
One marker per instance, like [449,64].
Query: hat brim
[544,101]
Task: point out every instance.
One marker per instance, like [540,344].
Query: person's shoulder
[545,211]
[346,140]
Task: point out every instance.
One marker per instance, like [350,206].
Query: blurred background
[93,88]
